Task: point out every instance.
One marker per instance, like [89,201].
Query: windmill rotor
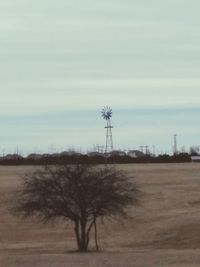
[106,113]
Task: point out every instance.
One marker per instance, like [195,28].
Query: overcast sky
[62,61]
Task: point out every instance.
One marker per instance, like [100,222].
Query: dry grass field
[164,231]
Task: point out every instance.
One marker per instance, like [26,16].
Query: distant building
[195,158]
[70,153]
[135,153]
[94,154]
[55,155]
[34,156]
[12,157]
[117,153]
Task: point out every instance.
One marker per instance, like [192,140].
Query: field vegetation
[164,229]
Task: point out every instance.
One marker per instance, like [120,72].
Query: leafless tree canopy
[79,193]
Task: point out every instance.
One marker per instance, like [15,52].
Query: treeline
[96,159]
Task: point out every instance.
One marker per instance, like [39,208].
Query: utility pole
[154,151]
[146,150]
[175,144]
[99,148]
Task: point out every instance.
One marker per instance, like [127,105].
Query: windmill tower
[107,114]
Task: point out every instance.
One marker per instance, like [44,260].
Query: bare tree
[79,193]
[194,150]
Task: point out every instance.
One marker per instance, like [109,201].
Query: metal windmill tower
[107,114]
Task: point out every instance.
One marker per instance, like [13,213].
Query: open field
[164,231]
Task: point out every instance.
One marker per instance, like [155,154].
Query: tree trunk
[77,233]
[81,235]
[82,231]
[84,243]
[95,235]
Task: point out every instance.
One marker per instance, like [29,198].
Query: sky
[63,61]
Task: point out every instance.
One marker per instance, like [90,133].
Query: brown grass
[164,230]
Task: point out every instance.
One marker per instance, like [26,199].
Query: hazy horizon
[62,61]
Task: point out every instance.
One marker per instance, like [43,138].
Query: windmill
[107,114]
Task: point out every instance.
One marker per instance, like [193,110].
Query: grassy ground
[164,230]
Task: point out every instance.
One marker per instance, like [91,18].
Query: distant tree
[194,150]
[78,193]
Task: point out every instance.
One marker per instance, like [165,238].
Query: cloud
[61,61]
[43,97]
